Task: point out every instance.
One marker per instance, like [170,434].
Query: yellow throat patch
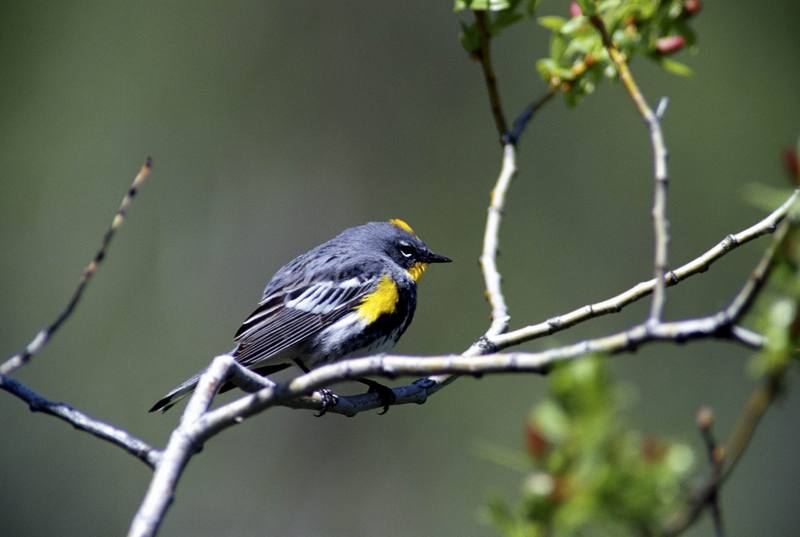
[383,300]
[402,224]
[417,270]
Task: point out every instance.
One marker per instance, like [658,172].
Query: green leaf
[558,45]
[481,5]
[531,6]
[676,68]
[504,19]
[469,37]
[766,197]
[607,5]
[552,22]
[575,24]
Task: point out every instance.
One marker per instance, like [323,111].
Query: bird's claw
[385,395]
[329,400]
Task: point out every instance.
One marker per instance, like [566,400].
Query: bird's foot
[329,400]
[385,394]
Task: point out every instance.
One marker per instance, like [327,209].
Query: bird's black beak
[430,257]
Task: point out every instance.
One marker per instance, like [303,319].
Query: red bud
[692,7]
[653,449]
[790,162]
[670,44]
[575,10]
[536,442]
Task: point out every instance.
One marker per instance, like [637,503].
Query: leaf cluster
[577,59]
[589,472]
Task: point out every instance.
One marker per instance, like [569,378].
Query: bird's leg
[329,399]
[385,393]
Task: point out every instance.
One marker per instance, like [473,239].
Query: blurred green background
[275,125]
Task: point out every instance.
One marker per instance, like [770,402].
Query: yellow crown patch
[402,224]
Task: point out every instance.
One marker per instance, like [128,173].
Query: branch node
[486,345]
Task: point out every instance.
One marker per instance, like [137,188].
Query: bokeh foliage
[591,472]
[577,59]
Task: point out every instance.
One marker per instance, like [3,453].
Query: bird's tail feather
[176,395]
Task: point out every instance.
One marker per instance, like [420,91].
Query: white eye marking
[405,249]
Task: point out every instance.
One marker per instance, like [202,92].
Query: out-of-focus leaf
[481,5]
[469,37]
[574,24]
[676,68]
[504,19]
[766,197]
[552,22]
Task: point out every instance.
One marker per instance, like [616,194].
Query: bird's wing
[286,316]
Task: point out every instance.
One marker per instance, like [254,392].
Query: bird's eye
[406,250]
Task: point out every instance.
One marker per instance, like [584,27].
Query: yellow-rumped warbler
[351,296]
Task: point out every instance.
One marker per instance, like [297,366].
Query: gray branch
[45,334]
[82,421]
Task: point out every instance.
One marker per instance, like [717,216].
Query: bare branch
[181,447]
[488,259]
[705,422]
[653,121]
[82,421]
[614,304]
[521,121]
[43,336]
[761,398]
[488,73]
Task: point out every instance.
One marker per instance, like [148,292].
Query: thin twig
[705,422]
[488,74]
[653,121]
[759,401]
[43,336]
[82,421]
[521,121]
[491,276]
[615,304]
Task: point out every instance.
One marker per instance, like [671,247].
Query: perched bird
[352,296]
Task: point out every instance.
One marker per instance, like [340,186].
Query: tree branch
[759,401]
[82,421]
[491,276]
[181,447]
[615,304]
[488,74]
[705,422]
[653,121]
[43,336]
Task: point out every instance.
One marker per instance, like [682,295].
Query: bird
[351,296]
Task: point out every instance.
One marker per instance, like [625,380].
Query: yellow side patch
[402,224]
[383,300]
[417,270]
